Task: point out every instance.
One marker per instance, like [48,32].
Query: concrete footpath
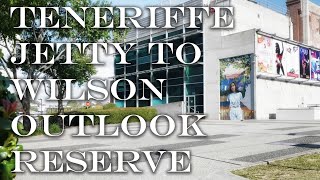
[229,145]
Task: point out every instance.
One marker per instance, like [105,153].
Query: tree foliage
[8,140]
[10,36]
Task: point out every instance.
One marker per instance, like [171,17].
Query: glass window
[119,71]
[176,44]
[157,101]
[174,33]
[175,99]
[131,57]
[198,24]
[146,91]
[144,67]
[199,109]
[193,89]
[194,79]
[159,75]
[189,49]
[199,99]
[172,59]
[196,39]
[175,90]
[117,58]
[120,104]
[143,52]
[194,70]
[144,42]
[131,103]
[155,57]
[130,69]
[159,37]
[175,73]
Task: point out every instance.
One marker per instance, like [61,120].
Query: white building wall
[219,44]
[215,48]
[272,95]
[249,15]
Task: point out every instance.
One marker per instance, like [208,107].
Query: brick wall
[294,11]
[314,18]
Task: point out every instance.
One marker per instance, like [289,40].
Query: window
[174,33]
[175,85]
[144,42]
[158,37]
[143,103]
[155,57]
[132,101]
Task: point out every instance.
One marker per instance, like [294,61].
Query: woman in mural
[235,99]
[279,58]
[305,66]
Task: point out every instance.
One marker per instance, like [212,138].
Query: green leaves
[7,159]
[6,167]
[5,125]
[8,140]
[3,153]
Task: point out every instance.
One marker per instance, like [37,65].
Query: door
[191,104]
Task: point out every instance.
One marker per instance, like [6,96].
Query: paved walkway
[229,145]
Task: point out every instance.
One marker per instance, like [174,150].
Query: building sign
[315,65]
[304,63]
[237,70]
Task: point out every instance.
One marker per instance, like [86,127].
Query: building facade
[238,55]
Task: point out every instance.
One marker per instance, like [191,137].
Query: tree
[81,72]
[8,139]
[9,37]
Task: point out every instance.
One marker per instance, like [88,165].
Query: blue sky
[283,2]
[152,2]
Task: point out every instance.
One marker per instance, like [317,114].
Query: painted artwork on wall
[304,63]
[291,58]
[277,57]
[265,55]
[236,70]
[315,65]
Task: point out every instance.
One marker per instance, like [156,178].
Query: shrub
[8,140]
[37,132]
[115,115]
[110,106]
[54,128]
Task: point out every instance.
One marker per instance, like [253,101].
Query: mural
[291,57]
[277,57]
[304,63]
[265,54]
[237,70]
[315,65]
